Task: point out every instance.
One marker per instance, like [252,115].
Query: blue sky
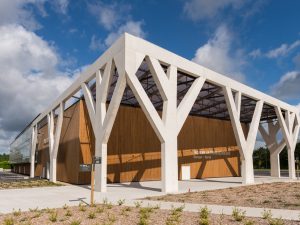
[45,44]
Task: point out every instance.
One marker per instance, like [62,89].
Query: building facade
[148,113]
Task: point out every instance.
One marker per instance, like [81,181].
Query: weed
[34,210]
[53,216]
[92,215]
[109,205]
[121,202]
[278,221]
[204,216]
[65,207]
[37,214]
[75,222]
[9,221]
[82,207]
[175,216]
[138,204]
[144,215]
[17,213]
[238,214]
[249,222]
[68,213]
[266,214]
[99,209]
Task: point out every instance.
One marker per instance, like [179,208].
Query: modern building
[149,114]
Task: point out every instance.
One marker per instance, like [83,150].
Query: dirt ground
[108,214]
[27,183]
[281,195]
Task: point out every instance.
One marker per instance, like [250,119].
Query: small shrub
[121,202]
[144,215]
[34,210]
[278,221]
[266,214]
[137,204]
[99,210]
[53,217]
[249,222]
[37,214]
[68,213]
[204,213]
[238,214]
[175,216]
[75,222]
[9,221]
[204,221]
[82,207]
[65,207]
[109,205]
[92,215]
[17,213]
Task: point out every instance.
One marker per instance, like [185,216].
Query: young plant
[137,204]
[65,207]
[17,213]
[238,214]
[145,215]
[121,202]
[8,221]
[82,207]
[99,209]
[249,222]
[175,216]
[92,215]
[204,216]
[68,213]
[53,217]
[278,221]
[266,214]
[75,222]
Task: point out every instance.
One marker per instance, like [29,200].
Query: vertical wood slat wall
[134,149]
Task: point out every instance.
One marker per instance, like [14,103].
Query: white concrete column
[169,167]
[33,149]
[275,164]
[52,171]
[247,169]
[101,169]
[291,161]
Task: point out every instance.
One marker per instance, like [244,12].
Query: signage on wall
[85,167]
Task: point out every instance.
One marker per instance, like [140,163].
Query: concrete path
[54,197]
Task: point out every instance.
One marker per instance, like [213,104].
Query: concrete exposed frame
[126,55]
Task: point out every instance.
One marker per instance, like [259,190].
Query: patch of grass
[248,222]
[121,202]
[238,214]
[278,221]
[82,207]
[68,213]
[266,214]
[92,215]
[17,212]
[99,209]
[75,222]
[145,215]
[204,216]
[53,217]
[8,221]
[137,204]
[29,183]
[175,216]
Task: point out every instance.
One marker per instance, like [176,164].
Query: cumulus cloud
[288,86]
[131,27]
[96,44]
[109,15]
[216,54]
[280,51]
[207,9]
[117,20]
[30,77]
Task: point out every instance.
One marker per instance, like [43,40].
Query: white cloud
[60,6]
[109,15]
[115,18]
[207,9]
[281,51]
[131,27]
[288,86]
[296,60]
[96,44]
[216,55]
[14,12]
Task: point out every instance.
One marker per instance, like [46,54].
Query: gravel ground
[281,195]
[108,214]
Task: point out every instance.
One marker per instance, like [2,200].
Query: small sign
[97,160]
[85,167]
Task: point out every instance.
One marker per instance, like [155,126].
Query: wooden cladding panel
[134,149]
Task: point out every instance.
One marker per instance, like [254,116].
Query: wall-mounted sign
[85,167]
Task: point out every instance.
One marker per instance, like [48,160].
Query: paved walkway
[54,197]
